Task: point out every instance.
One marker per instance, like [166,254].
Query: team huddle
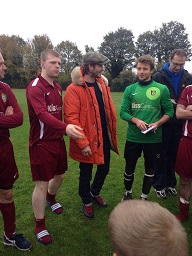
[158,110]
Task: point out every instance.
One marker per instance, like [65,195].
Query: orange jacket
[81,108]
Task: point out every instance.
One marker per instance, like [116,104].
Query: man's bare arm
[183,112]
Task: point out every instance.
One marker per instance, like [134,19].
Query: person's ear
[42,64]
[115,254]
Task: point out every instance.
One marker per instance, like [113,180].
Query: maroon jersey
[45,111]
[8,168]
[7,98]
[185,100]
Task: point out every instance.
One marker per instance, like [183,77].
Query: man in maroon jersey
[11,116]
[47,149]
[183,165]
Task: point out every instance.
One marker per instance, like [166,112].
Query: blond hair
[143,228]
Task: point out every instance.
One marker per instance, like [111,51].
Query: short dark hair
[179,52]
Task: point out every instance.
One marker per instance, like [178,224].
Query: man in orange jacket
[88,104]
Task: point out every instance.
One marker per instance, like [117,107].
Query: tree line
[23,57]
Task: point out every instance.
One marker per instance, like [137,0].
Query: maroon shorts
[8,168]
[183,165]
[47,159]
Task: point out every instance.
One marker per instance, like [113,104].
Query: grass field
[72,234]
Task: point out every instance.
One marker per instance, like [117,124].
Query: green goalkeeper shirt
[147,102]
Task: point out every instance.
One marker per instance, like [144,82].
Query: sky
[86,22]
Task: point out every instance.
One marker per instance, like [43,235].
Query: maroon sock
[51,199]
[8,212]
[184,211]
[40,223]
[40,226]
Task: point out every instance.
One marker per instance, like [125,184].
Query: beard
[96,74]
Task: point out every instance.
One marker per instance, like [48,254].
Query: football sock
[8,213]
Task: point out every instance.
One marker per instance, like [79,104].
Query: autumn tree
[23,57]
[12,49]
[35,46]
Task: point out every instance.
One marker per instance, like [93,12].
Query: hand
[9,111]
[86,151]
[189,107]
[72,131]
[142,125]
[174,102]
[155,126]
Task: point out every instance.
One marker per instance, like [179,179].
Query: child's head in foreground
[144,228]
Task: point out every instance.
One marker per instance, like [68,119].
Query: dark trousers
[131,153]
[165,173]
[98,181]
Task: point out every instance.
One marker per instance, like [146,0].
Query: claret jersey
[45,110]
[185,100]
[7,98]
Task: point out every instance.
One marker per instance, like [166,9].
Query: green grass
[72,234]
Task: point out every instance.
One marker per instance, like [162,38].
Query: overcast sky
[86,22]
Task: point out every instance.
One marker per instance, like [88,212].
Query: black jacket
[162,77]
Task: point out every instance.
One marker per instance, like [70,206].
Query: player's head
[177,60]
[143,228]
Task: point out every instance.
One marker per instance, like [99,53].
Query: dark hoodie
[175,83]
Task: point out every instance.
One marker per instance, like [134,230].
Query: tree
[161,42]
[146,44]
[119,48]
[125,78]
[70,54]
[89,49]
[12,48]
[23,58]
[171,36]
[34,49]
